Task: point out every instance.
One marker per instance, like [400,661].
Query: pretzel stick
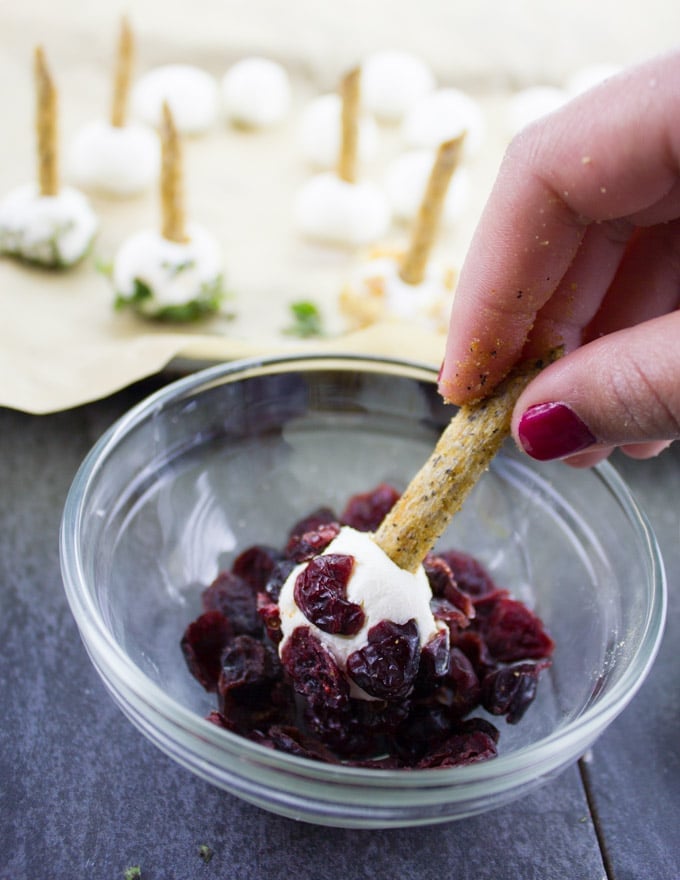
[172,201]
[414,264]
[123,74]
[462,454]
[46,126]
[347,160]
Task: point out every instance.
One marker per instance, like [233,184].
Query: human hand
[579,245]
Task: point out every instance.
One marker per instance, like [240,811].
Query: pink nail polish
[553,430]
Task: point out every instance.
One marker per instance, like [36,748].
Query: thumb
[621,389]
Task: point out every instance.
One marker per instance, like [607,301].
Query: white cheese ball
[52,230]
[406,180]
[384,591]
[175,273]
[256,93]
[529,104]
[191,93]
[320,133]
[331,210]
[442,115]
[115,160]
[392,81]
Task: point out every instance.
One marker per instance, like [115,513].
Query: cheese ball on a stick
[409,286]
[338,208]
[174,274]
[43,222]
[366,595]
[116,156]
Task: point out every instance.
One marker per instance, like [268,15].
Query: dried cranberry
[443,584]
[513,632]
[255,565]
[321,594]
[249,672]
[470,574]
[468,747]
[434,660]
[474,647]
[202,645]
[313,670]
[246,662]
[305,546]
[322,516]
[453,617]
[365,511]
[287,738]
[427,725]
[278,577]
[510,690]
[462,683]
[271,618]
[387,665]
[236,599]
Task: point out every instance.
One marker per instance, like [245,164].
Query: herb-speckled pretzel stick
[462,454]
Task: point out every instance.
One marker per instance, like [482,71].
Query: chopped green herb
[307,320]
[134,873]
[104,267]
[207,302]
[205,852]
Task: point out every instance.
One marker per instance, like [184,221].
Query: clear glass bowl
[232,456]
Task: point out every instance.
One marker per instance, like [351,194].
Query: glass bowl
[236,453]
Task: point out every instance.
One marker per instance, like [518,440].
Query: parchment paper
[61,342]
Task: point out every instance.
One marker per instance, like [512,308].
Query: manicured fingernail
[553,430]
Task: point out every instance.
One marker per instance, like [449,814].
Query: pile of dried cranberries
[424,714]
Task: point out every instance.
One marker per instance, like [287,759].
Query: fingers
[584,169]
[647,283]
[619,390]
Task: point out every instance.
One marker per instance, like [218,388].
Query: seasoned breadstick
[462,454]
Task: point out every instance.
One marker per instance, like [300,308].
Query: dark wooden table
[84,795]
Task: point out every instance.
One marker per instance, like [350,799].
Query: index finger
[609,160]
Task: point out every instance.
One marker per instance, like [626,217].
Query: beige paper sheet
[62,344]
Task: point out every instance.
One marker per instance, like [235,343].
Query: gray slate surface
[83,794]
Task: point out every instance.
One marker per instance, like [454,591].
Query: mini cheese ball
[43,222]
[441,115]
[320,133]
[256,93]
[51,230]
[169,280]
[336,211]
[191,93]
[376,292]
[115,160]
[392,82]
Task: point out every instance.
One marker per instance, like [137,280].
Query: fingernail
[553,430]
[441,370]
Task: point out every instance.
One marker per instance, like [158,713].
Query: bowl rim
[120,671]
